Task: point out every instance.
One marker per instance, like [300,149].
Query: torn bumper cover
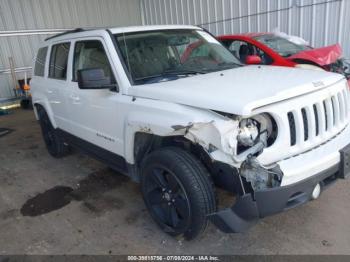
[249,208]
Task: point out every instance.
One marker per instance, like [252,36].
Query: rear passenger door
[56,83]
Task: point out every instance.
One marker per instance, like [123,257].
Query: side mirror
[253,60]
[94,78]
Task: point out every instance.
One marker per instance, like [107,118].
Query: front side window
[165,55]
[281,45]
[59,61]
[240,50]
[39,69]
[90,54]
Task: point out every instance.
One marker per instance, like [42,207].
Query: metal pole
[13,74]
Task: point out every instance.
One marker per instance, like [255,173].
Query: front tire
[54,143]
[178,192]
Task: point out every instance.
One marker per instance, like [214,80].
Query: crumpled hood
[237,91]
[321,56]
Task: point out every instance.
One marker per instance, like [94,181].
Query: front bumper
[301,173]
[249,208]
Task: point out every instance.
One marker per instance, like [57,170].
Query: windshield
[164,55]
[281,45]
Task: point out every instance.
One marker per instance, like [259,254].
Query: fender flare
[142,122]
[45,105]
[130,132]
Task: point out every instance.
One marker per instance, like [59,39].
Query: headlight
[251,130]
[248,132]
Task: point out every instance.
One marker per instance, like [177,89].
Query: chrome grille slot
[312,128]
[292,129]
[305,123]
[317,125]
[325,115]
[329,113]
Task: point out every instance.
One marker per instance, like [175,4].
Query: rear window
[59,61]
[39,69]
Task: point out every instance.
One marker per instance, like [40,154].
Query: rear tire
[178,192]
[26,104]
[54,143]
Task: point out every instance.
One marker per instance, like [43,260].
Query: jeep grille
[326,116]
[307,121]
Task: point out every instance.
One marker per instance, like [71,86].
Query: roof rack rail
[76,30]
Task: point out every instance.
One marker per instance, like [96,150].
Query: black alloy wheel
[167,199]
[178,191]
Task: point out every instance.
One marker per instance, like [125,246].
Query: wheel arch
[203,133]
[43,106]
[146,143]
[221,173]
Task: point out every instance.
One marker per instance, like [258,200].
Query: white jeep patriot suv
[170,107]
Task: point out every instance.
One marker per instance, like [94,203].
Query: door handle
[49,91]
[75,98]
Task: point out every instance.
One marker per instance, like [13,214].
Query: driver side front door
[95,114]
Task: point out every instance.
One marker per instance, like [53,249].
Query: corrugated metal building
[321,22]
[24,23]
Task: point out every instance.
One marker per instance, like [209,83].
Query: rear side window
[59,61]
[39,69]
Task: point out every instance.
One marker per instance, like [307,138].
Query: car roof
[128,29]
[115,30]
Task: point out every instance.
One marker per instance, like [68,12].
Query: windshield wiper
[170,73]
[183,72]
[226,64]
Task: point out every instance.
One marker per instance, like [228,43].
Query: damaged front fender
[215,136]
[219,139]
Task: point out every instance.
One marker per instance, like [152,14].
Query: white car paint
[94,115]
[238,91]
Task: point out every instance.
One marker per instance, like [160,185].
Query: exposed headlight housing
[249,132]
[252,130]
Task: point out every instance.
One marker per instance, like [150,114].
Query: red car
[271,49]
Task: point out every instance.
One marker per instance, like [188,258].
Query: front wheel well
[37,105]
[146,143]
[221,173]
[38,109]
